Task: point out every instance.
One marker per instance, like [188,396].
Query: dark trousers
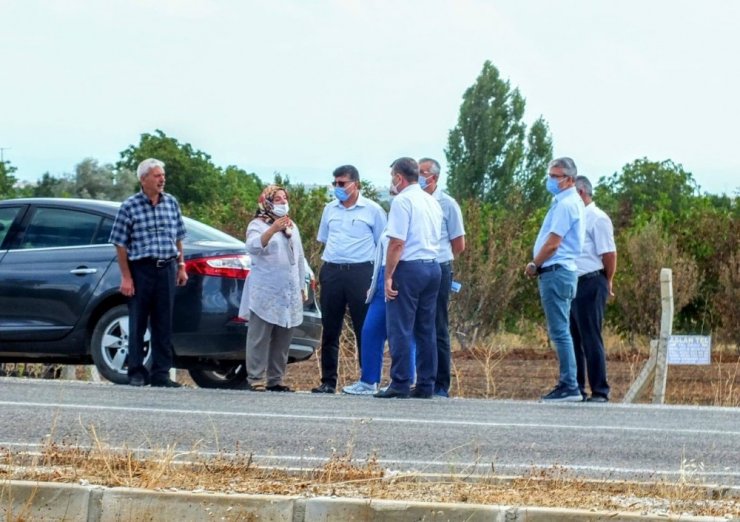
[342,286]
[151,304]
[442,323]
[408,317]
[586,320]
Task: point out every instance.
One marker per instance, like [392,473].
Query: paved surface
[699,444]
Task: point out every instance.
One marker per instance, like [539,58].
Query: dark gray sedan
[59,298]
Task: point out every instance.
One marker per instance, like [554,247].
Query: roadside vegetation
[344,475]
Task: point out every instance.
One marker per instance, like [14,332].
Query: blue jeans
[374,335]
[557,290]
[410,315]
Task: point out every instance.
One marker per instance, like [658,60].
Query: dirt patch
[496,372]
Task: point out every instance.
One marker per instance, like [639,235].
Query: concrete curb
[43,501]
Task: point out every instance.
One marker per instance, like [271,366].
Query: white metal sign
[689,349]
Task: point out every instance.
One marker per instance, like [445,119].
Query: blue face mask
[423,183]
[552,186]
[341,194]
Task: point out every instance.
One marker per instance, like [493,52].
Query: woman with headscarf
[274,291]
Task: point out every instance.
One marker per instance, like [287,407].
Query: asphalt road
[461,436]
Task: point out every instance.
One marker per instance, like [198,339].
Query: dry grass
[344,476]
[508,366]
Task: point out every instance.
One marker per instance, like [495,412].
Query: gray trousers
[267,351]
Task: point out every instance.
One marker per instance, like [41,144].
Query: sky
[303,86]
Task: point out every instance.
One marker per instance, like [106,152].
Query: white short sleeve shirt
[416,219]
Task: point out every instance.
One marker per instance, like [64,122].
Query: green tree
[191,176]
[489,154]
[644,189]
[52,187]
[7,180]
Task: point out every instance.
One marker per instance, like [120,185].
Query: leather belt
[589,275]
[347,266]
[550,268]
[159,263]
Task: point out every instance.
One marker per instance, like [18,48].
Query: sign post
[656,365]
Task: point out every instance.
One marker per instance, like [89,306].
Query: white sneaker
[360,388]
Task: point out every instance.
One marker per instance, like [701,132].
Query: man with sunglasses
[559,242]
[350,229]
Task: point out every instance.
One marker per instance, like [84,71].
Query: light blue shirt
[351,234]
[416,218]
[566,218]
[452,224]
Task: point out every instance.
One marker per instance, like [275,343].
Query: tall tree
[539,153]
[488,153]
[191,176]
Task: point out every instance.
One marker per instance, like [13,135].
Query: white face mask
[281,210]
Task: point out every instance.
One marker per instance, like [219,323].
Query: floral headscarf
[265,206]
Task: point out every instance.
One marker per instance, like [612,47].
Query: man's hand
[182,276]
[530,270]
[610,287]
[304,295]
[390,292]
[127,286]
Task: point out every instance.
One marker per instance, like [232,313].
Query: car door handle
[83,271]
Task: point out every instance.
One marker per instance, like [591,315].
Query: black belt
[159,263]
[551,268]
[589,275]
[419,261]
[348,266]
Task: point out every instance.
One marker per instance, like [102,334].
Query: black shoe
[324,388]
[166,383]
[390,393]
[418,394]
[279,388]
[137,380]
[562,394]
[597,398]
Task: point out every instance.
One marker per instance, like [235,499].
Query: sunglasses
[341,183]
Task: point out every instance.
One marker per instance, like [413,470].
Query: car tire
[109,345]
[224,378]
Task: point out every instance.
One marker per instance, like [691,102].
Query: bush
[642,254]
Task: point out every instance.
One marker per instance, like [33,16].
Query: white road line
[388,420]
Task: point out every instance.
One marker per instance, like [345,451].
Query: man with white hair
[451,244]
[148,233]
[596,267]
[559,242]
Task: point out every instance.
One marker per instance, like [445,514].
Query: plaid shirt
[147,230]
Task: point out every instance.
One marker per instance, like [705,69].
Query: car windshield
[200,232]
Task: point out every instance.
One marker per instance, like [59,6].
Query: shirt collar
[564,193]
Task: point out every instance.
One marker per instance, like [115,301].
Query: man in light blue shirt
[559,243]
[350,229]
[451,244]
[411,283]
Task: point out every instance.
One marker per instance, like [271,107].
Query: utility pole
[2,156]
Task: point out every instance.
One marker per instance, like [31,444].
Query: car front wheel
[109,345]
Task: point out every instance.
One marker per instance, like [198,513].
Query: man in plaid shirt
[148,233]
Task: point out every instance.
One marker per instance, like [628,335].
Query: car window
[57,227]
[7,216]
[103,234]
[198,231]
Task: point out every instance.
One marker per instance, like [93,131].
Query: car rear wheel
[109,345]
[225,377]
